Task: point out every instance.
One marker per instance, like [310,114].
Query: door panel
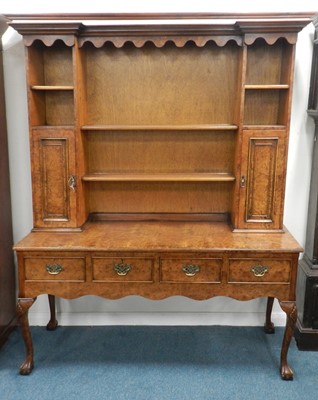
[53,164]
[262,179]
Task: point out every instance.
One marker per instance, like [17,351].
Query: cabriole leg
[52,324]
[291,311]
[23,306]
[269,326]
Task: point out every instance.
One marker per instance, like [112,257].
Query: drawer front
[132,269]
[48,269]
[259,270]
[191,270]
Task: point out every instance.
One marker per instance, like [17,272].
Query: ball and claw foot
[286,373]
[52,325]
[26,367]
[269,328]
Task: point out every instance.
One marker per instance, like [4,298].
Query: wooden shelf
[264,127]
[266,87]
[49,87]
[52,127]
[198,127]
[159,177]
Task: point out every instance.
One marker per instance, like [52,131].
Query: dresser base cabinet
[157,260]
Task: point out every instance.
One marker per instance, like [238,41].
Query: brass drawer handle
[122,269]
[54,269]
[259,270]
[190,269]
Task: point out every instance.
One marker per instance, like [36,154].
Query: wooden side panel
[262,179]
[53,166]
[79,114]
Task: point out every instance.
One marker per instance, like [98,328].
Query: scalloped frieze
[179,41]
[49,32]
[270,38]
[49,40]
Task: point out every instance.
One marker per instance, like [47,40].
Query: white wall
[135,310]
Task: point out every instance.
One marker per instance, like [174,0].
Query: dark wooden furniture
[306,333]
[7,268]
[159,160]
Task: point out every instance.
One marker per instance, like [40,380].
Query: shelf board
[159,177]
[266,87]
[127,127]
[51,87]
[263,127]
[52,127]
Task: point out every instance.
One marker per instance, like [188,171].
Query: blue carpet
[155,363]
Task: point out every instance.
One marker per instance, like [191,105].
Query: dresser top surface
[158,236]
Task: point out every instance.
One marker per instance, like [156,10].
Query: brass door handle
[54,269]
[259,270]
[122,269]
[190,269]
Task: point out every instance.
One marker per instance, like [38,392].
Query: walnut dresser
[159,159]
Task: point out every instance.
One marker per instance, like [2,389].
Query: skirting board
[178,318]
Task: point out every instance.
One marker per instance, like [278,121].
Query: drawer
[132,269]
[259,270]
[48,268]
[191,270]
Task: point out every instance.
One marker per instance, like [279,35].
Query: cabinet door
[53,178]
[262,181]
